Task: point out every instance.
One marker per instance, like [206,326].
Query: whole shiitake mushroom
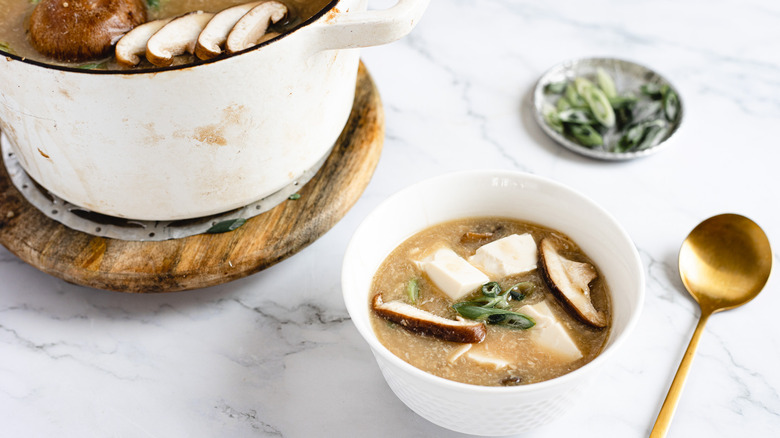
[78,30]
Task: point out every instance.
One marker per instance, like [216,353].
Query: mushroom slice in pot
[213,37]
[176,37]
[252,26]
[268,36]
[419,321]
[133,44]
[571,280]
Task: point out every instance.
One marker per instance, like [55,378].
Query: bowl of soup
[187,137]
[485,289]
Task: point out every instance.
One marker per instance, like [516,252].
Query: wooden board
[206,259]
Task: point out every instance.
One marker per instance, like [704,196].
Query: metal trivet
[97,224]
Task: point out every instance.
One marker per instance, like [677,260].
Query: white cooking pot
[185,142]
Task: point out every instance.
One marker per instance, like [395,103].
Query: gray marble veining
[275,354]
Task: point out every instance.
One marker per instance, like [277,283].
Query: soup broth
[15,16]
[506,356]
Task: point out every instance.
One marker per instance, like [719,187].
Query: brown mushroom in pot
[79,30]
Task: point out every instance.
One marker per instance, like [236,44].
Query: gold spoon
[724,263]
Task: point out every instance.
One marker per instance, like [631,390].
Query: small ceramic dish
[470,408]
[628,78]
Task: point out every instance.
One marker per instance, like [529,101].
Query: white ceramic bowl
[471,408]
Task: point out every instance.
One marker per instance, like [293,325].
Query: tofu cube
[549,333]
[510,255]
[486,360]
[459,352]
[453,274]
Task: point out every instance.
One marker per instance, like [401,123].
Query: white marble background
[276,355]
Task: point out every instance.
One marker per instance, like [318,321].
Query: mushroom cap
[78,30]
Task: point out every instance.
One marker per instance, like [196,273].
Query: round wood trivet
[205,259]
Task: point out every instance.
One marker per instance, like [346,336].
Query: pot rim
[142,71]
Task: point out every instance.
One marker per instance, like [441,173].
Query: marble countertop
[275,354]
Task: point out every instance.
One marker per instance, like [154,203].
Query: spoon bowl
[724,263]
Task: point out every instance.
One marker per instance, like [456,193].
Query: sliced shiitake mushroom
[133,44]
[213,37]
[511,380]
[175,38]
[419,321]
[474,237]
[571,282]
[78,30]
[252,26]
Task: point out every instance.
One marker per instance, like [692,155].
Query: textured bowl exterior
[470,408]
[475,414]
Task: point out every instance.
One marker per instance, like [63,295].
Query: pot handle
[349,30]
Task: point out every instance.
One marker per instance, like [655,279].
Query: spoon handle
[670,403]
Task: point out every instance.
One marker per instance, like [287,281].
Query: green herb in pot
[6,48]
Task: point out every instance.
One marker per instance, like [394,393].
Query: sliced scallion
[653,133]
[642,135]
[576,116]
[606,83]
[494,316]
[413,290]
[600,106]
[555,87]
[582,85]
[575,100]
[586,135]
[622,101]
[491,290]
[563,104]
[630,138]
[651,90]
[671,104]
[550,115]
